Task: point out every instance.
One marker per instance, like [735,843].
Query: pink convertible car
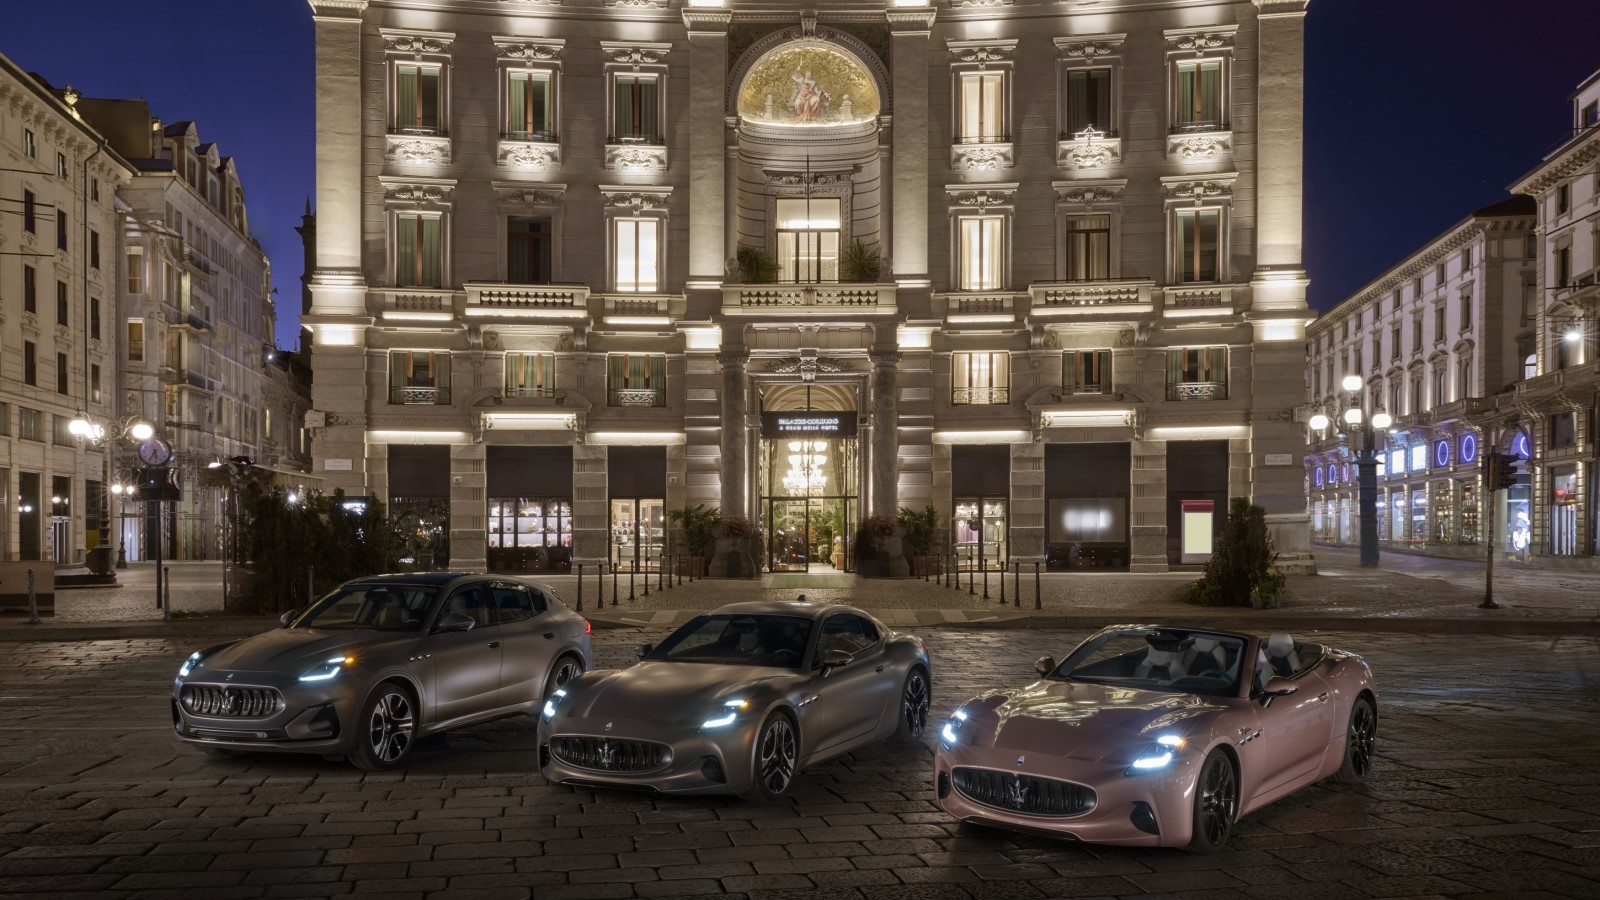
[1157,736]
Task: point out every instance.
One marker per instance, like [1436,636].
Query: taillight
[587,628]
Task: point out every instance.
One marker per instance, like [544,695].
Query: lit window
[530,111]
[980,378]
[636,380]
[635,109]
[1086,372]
[419,377]
[30,146]
[417,95]
[530,374]
[1199,246]
[635,248]
[61,165]
[417,251]
[982,254]
[135,340]
[1197,373]
[1199,95]
[982,116]
[808,239]
[1088,248]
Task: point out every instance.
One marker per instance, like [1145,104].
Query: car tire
[385,729]
[566,668]
[775,758]
[1360,743]
[916,699]
[1216,804]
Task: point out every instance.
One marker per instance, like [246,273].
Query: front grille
[609,754]
[1028,794]
[231,702]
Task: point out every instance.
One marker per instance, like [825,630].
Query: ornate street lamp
[1363,435]
[105,435]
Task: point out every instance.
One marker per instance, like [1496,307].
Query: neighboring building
[1556,409]
[579,265]
[286,398]
[197,318]
[58,332]
[1431,338]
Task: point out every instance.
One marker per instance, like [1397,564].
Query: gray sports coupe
[737,701]
[379,662]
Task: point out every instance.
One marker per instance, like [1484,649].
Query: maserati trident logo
[1017,793]
[230,702]
[1021,760]
[608,726]
[229,678]
[608,754]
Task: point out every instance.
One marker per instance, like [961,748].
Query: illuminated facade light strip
[638,438]
[394,315]
[530,421]
[416,436]
[498,312]
[978,319]
[996,436]
[659,321]
[1171,432]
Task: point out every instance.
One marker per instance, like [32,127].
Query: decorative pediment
[982,52]
[638,4]
[635,53]
[635,200]
[981,197]
[1089,47]
[807,367]
[529,50]
[1089,192]
[528,194]
[1198,188]
[418,191]
[1200,40]
[800,179]
[417,42]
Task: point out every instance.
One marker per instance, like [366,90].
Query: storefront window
[530,534]
[1419,513]
[1419,458]
[1564,510]
[1397,462]
[1444,512]
[1398,511]
[1518,519]
[981,533]
[1469,511]
[638,528]
[1381,514]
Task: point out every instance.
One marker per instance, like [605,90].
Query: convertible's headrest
[1205,645]
[1157,657]
[1280,644]
[748,641]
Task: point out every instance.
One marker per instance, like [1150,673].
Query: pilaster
[884,487]
[469,546]
[735,430]
[337,284]
[909,47]
[1027,501]
[708,73]
[1279,281]
[590,515]
[1147,509]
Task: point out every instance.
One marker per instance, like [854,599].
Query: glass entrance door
[808,534]
[638,530]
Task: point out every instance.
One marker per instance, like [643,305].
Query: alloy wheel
[1363,738]
[392,726]
[1218,800]
[777,755]
[915,703]
[565,672]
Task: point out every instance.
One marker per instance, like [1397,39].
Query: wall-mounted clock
[154,452]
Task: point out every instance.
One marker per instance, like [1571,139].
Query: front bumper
[701,762]
[1146,810]
[311,718]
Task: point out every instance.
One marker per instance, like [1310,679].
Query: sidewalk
[1407,593]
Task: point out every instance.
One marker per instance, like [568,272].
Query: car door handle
[1323,696]
[494,645]
[878,669]
[548,635]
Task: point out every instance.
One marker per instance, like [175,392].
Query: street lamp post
[1362,434]
[105,435]
[235,467]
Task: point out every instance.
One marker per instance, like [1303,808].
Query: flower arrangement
[881,526]
[737,526]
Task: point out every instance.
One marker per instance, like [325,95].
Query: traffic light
[1500,470]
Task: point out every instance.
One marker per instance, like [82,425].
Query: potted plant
[756,265]
[921,530]
[1241,567]
[699,526]
[1268,592]
[860,263]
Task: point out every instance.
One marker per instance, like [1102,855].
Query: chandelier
[806,475]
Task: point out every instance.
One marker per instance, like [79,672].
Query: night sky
[1417,111]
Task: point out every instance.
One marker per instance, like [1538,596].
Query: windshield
[778,641]
[386,607]
[1167,659]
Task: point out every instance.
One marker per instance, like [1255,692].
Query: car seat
[1281,653]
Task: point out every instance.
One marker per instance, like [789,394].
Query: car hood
[656,691]
[1080,721]
[291,651]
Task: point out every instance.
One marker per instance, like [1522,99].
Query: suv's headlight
[730,712]
[1158,755]
[950,734]
[551,704]
[326,670]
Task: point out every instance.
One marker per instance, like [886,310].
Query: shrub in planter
[699,526]
[921,530]
[1241,562]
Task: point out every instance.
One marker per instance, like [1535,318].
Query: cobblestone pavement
[1412,587]
[1486,786]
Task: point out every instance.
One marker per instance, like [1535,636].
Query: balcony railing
[419,396]
[527,392]
[1091,297]
[814,299]
[527,296]
[980,396]
[1078,390]
[195,379]
[1582,289]
[637,397]
[1197,390]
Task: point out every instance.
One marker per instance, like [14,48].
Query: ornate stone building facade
[58,332]
[1037,265]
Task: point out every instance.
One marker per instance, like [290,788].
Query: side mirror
[833,659]
[455,622]
[1277,686]
[643,650]
[1044,666]
[288,617]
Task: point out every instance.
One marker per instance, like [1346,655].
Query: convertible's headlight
[190,663]
[551,704]
[1158,755]
[731,710]
[950,733]
[326,670]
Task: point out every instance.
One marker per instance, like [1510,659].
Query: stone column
[909,39]
[735,433]
[884,489]
[708,69]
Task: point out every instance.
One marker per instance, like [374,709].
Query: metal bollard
[985,568]
[972,590]
[661,574]
[613,584]
[938,573]
[683,563]
[1038,603]
[1002,584]
[166,591]
[33,601]
[1016,584]
[632,570]
[580,587]
[646,583]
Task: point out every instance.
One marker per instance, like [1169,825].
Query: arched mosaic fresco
[808,83]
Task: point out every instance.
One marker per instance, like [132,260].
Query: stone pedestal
[735,557]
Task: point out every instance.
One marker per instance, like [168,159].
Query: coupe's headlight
[326,670]
[950,734]
[1158,755]
[551,704]
[731,710]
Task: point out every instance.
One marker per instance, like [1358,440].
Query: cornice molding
[528,193]
[529,49]
[406,40]
[1565,164]
[635,53]
[1198,188]
[980,196]
[1268,9]
[1200,40]
[982,52]
[635,198]
[910,21]
[707,21]
[1089,46]
[337,9]
[1076,193]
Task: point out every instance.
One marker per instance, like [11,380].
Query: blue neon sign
[1469,448]
[1520,448]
